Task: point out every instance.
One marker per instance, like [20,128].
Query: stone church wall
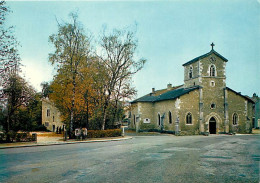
[179,107]
[243,108]
[141,111]
[189,103]
[163,108]
[194,80]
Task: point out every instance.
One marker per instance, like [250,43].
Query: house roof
[205,55]
[238,93]
[168,95]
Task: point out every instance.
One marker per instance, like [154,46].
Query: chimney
[153,90]
[169,86]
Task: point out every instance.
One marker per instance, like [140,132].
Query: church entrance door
[212,125]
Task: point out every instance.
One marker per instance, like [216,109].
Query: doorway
[212,125]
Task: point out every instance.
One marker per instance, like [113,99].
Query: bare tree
[117,53]
[9,57]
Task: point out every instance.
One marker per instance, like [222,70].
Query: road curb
[66,142]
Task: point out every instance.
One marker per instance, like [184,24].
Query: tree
[9,57]
[72,49]
[19,93]
[118,56]
[46,89]
[9,68]
[22,108]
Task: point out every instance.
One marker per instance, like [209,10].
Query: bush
[15,137]
[104,133]
[147,126]
[22,137]
[2,137]
[40,128]
[11,135]
[184,133]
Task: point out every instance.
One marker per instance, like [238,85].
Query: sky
[170,33]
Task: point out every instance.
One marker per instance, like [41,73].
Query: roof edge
[247,98]
[203,56]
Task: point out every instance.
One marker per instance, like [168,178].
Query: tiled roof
[205,55]
[172,94]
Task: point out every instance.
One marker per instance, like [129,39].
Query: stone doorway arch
[212,120]
[212,125]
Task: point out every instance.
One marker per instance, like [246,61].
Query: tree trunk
[72,106]
[87,115]
[114,114]
[105,115]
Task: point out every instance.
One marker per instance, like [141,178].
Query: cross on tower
[212,45]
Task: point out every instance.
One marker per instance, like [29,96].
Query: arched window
[189,118]
[190,72]
[170,117]
[235,119]
[212,70]
[159,119]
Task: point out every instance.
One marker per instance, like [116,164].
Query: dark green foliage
[104,133]
[40,128]
[147,126]
[15,137]
[189,129]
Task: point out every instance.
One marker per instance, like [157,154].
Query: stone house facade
[202,104]
[51,117]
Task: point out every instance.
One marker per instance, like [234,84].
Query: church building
[203,104]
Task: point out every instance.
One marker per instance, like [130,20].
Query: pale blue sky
[170,33]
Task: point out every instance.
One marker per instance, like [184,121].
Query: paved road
[142,159]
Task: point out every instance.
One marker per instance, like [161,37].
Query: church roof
[244,96]
[205,55]
[169,95]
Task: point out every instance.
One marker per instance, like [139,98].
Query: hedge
[104,133]
[15,137]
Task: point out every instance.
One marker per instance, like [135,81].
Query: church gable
[205,55]
[211,66]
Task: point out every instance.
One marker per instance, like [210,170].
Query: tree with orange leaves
[72,49]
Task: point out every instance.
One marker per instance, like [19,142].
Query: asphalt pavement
[160,158]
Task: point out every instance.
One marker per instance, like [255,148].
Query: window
[48,112]
[46,123]
[134,119]
[189,118]
[190,72]
[53,118]
[170,117]
[147,120]
[159,119]
[212,83]
[212,70]
[235,119]
[213,106]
